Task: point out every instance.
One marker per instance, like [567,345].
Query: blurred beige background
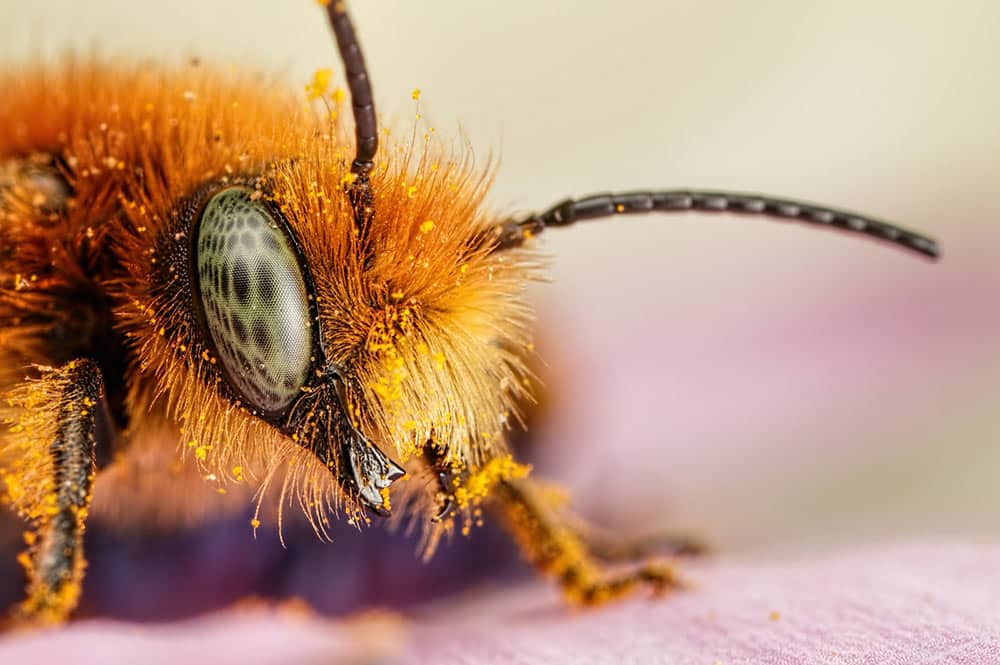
[770,385]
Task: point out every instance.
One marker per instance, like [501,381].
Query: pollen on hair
[480,482]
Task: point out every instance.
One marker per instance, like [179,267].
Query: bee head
[307,301]
[283,336]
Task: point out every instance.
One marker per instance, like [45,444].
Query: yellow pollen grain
[427,226]
[25,560]
[255,522]
[320,82]
[415,95]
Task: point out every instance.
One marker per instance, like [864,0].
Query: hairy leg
[49,465]
[555,547]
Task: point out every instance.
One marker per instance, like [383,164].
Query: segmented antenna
[598,206]
[363,107]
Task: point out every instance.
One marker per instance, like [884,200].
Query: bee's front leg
[54,430]
[555,545]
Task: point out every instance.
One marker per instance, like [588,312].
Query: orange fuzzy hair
[433,331]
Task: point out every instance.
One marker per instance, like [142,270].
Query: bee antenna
[363,107]
[514,233]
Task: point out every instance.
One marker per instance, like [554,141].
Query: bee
[198,265]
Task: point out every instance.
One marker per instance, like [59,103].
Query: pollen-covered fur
[430,327]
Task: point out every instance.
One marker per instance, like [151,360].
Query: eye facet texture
[254,298]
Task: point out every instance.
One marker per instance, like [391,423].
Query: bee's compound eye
[254,298]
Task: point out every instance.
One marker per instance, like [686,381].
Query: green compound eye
[254,298]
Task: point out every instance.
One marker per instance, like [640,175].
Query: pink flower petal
[895,605]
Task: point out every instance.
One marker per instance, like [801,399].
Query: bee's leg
[448,478]
[61,415]
[556,549]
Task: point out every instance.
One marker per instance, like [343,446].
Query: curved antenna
[513,233]
[363,107]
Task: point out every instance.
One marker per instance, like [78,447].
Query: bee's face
[280,331]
